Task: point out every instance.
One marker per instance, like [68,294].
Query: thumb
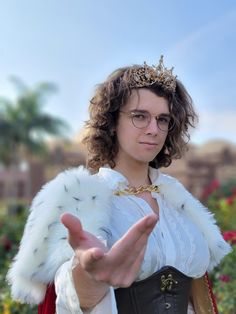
[75,229]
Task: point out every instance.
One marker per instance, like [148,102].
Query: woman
[160,241]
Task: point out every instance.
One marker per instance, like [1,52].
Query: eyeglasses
[141,120]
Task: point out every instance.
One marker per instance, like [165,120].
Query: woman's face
[141,145]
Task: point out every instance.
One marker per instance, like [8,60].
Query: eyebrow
[143,111]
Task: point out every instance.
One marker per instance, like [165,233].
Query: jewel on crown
[145,75]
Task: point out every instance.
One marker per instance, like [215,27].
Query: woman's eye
[164,120]
[139,116]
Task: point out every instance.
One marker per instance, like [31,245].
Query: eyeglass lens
[143,119]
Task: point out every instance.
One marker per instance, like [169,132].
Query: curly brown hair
[110,96]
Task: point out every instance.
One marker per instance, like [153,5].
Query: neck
[136,174]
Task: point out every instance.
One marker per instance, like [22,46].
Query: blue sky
[76,44]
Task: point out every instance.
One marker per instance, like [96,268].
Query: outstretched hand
[117,266]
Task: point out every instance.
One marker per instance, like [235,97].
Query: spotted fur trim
[44,246]
[176,195]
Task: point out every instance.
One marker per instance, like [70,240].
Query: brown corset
[166,291]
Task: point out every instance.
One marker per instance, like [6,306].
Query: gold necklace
[134,191]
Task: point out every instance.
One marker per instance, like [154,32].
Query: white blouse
[174,241]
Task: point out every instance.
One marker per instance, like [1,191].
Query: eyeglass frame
[130,113]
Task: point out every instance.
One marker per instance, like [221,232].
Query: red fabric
[48,306]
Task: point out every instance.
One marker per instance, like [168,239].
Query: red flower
[213,186]
[230,200]
[225,278]
[230,236]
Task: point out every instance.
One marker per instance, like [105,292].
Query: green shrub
[221,200]
[11,229]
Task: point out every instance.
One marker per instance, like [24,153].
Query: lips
[149,143]
[149,146]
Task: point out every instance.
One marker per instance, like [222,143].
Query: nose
[152,128]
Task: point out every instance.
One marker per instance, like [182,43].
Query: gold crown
[145,75]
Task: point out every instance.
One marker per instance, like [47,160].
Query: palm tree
[24,125]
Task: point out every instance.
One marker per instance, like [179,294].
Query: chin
[145,161]
[149,158]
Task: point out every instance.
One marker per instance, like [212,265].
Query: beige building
[196,170]
[215,160]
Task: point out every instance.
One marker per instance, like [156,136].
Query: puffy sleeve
[67,300]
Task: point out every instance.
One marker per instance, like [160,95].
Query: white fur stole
[176,195]
[44,246]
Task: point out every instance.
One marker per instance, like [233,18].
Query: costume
[185,238]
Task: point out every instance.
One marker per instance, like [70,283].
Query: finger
[133,257]
[132,243]
[133,261]
[74,226]
[90,257]
[145,225]
[141,229]
[126,273]
[139,259]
